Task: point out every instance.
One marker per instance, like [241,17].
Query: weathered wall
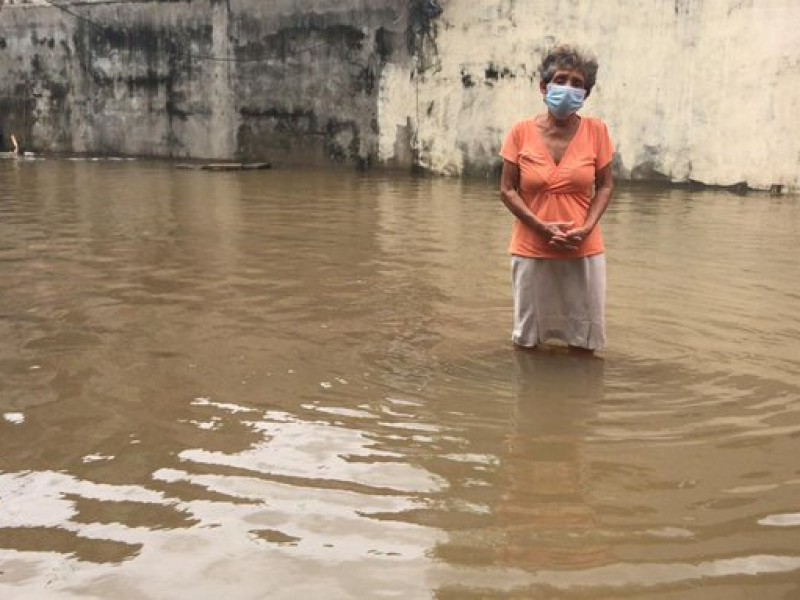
[198,78]
[700,90]
[703,90]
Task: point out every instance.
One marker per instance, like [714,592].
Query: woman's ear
[543,87]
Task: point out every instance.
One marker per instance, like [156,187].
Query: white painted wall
[705,90]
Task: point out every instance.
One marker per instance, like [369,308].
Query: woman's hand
[577,235]
[561,235]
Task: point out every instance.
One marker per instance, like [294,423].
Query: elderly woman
[557,182]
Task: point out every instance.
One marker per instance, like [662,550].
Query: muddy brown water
[298,384]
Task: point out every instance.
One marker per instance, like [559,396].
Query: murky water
[299,385]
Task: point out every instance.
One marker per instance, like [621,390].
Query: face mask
[563,100]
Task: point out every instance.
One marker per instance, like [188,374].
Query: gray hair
[566,57]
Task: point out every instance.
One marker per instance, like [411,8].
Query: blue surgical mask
[563,100]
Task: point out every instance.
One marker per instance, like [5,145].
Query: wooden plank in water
[225,166]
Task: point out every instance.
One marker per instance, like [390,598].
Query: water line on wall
[430,8]
[188,54]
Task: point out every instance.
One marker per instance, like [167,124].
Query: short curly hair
[567,57]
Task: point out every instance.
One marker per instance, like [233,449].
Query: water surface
[298,384]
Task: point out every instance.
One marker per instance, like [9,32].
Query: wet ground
[299,385]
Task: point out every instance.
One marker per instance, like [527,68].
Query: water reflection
[546,509]
[538,509]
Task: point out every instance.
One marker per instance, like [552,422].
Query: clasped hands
[563,236]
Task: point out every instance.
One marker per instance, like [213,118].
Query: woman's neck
[549,123]
[564,123]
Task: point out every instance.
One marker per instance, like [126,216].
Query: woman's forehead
[569,73]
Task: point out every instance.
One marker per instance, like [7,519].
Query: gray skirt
[560,300]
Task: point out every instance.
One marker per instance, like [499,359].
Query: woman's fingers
[576,235]
[562,243]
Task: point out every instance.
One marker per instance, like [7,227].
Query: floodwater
[299,384]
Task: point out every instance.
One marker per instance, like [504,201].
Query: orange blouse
[557,192]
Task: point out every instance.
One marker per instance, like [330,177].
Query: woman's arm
[603,186]
[509,195]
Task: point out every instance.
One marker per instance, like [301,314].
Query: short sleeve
[511,146]
[604,149]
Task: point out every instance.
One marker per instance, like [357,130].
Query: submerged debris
[225,166]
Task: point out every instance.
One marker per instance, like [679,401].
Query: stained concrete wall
[703,90]
[199,78]
[692,90]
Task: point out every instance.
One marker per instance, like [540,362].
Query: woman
[557,182]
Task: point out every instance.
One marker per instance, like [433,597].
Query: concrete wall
[199,78]
[703,90]
[692,90]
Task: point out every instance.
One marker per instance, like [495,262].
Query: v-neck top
[557,192]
